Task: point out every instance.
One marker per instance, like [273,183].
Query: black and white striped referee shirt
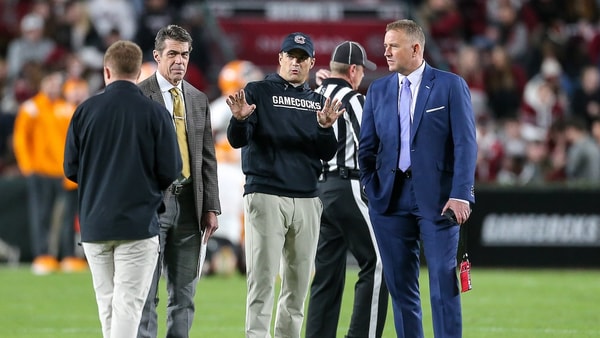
[348,131]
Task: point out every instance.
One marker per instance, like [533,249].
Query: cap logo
[299,39]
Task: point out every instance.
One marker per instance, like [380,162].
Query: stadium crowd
[532,67]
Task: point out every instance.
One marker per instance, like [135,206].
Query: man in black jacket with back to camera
[122,151]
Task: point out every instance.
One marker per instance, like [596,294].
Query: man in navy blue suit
[417,159]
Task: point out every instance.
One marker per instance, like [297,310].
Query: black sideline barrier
[543,227]
[509,227]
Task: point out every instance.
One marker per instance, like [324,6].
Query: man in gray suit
[192,201]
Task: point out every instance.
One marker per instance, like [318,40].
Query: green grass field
[503,303]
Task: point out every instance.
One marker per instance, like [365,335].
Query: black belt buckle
[344,172]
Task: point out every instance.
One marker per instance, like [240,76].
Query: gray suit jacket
[200,141]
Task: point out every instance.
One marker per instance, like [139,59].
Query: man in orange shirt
[39,139]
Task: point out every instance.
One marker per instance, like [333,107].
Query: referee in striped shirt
[345,224]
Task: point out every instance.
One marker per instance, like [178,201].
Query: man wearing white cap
[30,46]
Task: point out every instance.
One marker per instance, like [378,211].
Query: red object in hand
[465,275]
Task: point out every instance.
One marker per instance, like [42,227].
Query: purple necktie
[404,110]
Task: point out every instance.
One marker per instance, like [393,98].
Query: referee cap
[298,41]
[352,53]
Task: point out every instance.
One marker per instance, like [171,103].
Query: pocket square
[435,109]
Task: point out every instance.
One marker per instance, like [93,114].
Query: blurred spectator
[225,248]
[533,155]
[514,152]
[111,37]
[595,127]
[44,8]
[25,57]
[574,31]
[76,31]
[583,153]
[39,139]
[504,84]
[75,90]
[87,80]
[23,87]
[547,12]
[200,68]
[3,74]
[585,102]
[509,42]
[526,161]
[543,23]
[232,77]
[510,171]
[7,161]
[474,19]
[557,152]
[76,34]
[31,45]
[469,66]
[193,20]
[574,51]
[512,138]
[536,163]
[506,29]
[155,15]
[490,150]
[442,20]
[544,100]
[581,11]
[9,22]
[110,16]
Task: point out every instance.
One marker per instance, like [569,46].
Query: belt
[404,174]
[344,173]
[177,188]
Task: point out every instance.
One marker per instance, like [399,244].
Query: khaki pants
[121,273]
[279,230]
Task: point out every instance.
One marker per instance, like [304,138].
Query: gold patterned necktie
[179,118]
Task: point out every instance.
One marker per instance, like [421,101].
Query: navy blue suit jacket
[443,148]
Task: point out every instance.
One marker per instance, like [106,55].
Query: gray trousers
[67,230]
[180,243]
[43,193]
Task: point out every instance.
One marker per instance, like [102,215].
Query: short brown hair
[411,28]
[124,58]
[172,32]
